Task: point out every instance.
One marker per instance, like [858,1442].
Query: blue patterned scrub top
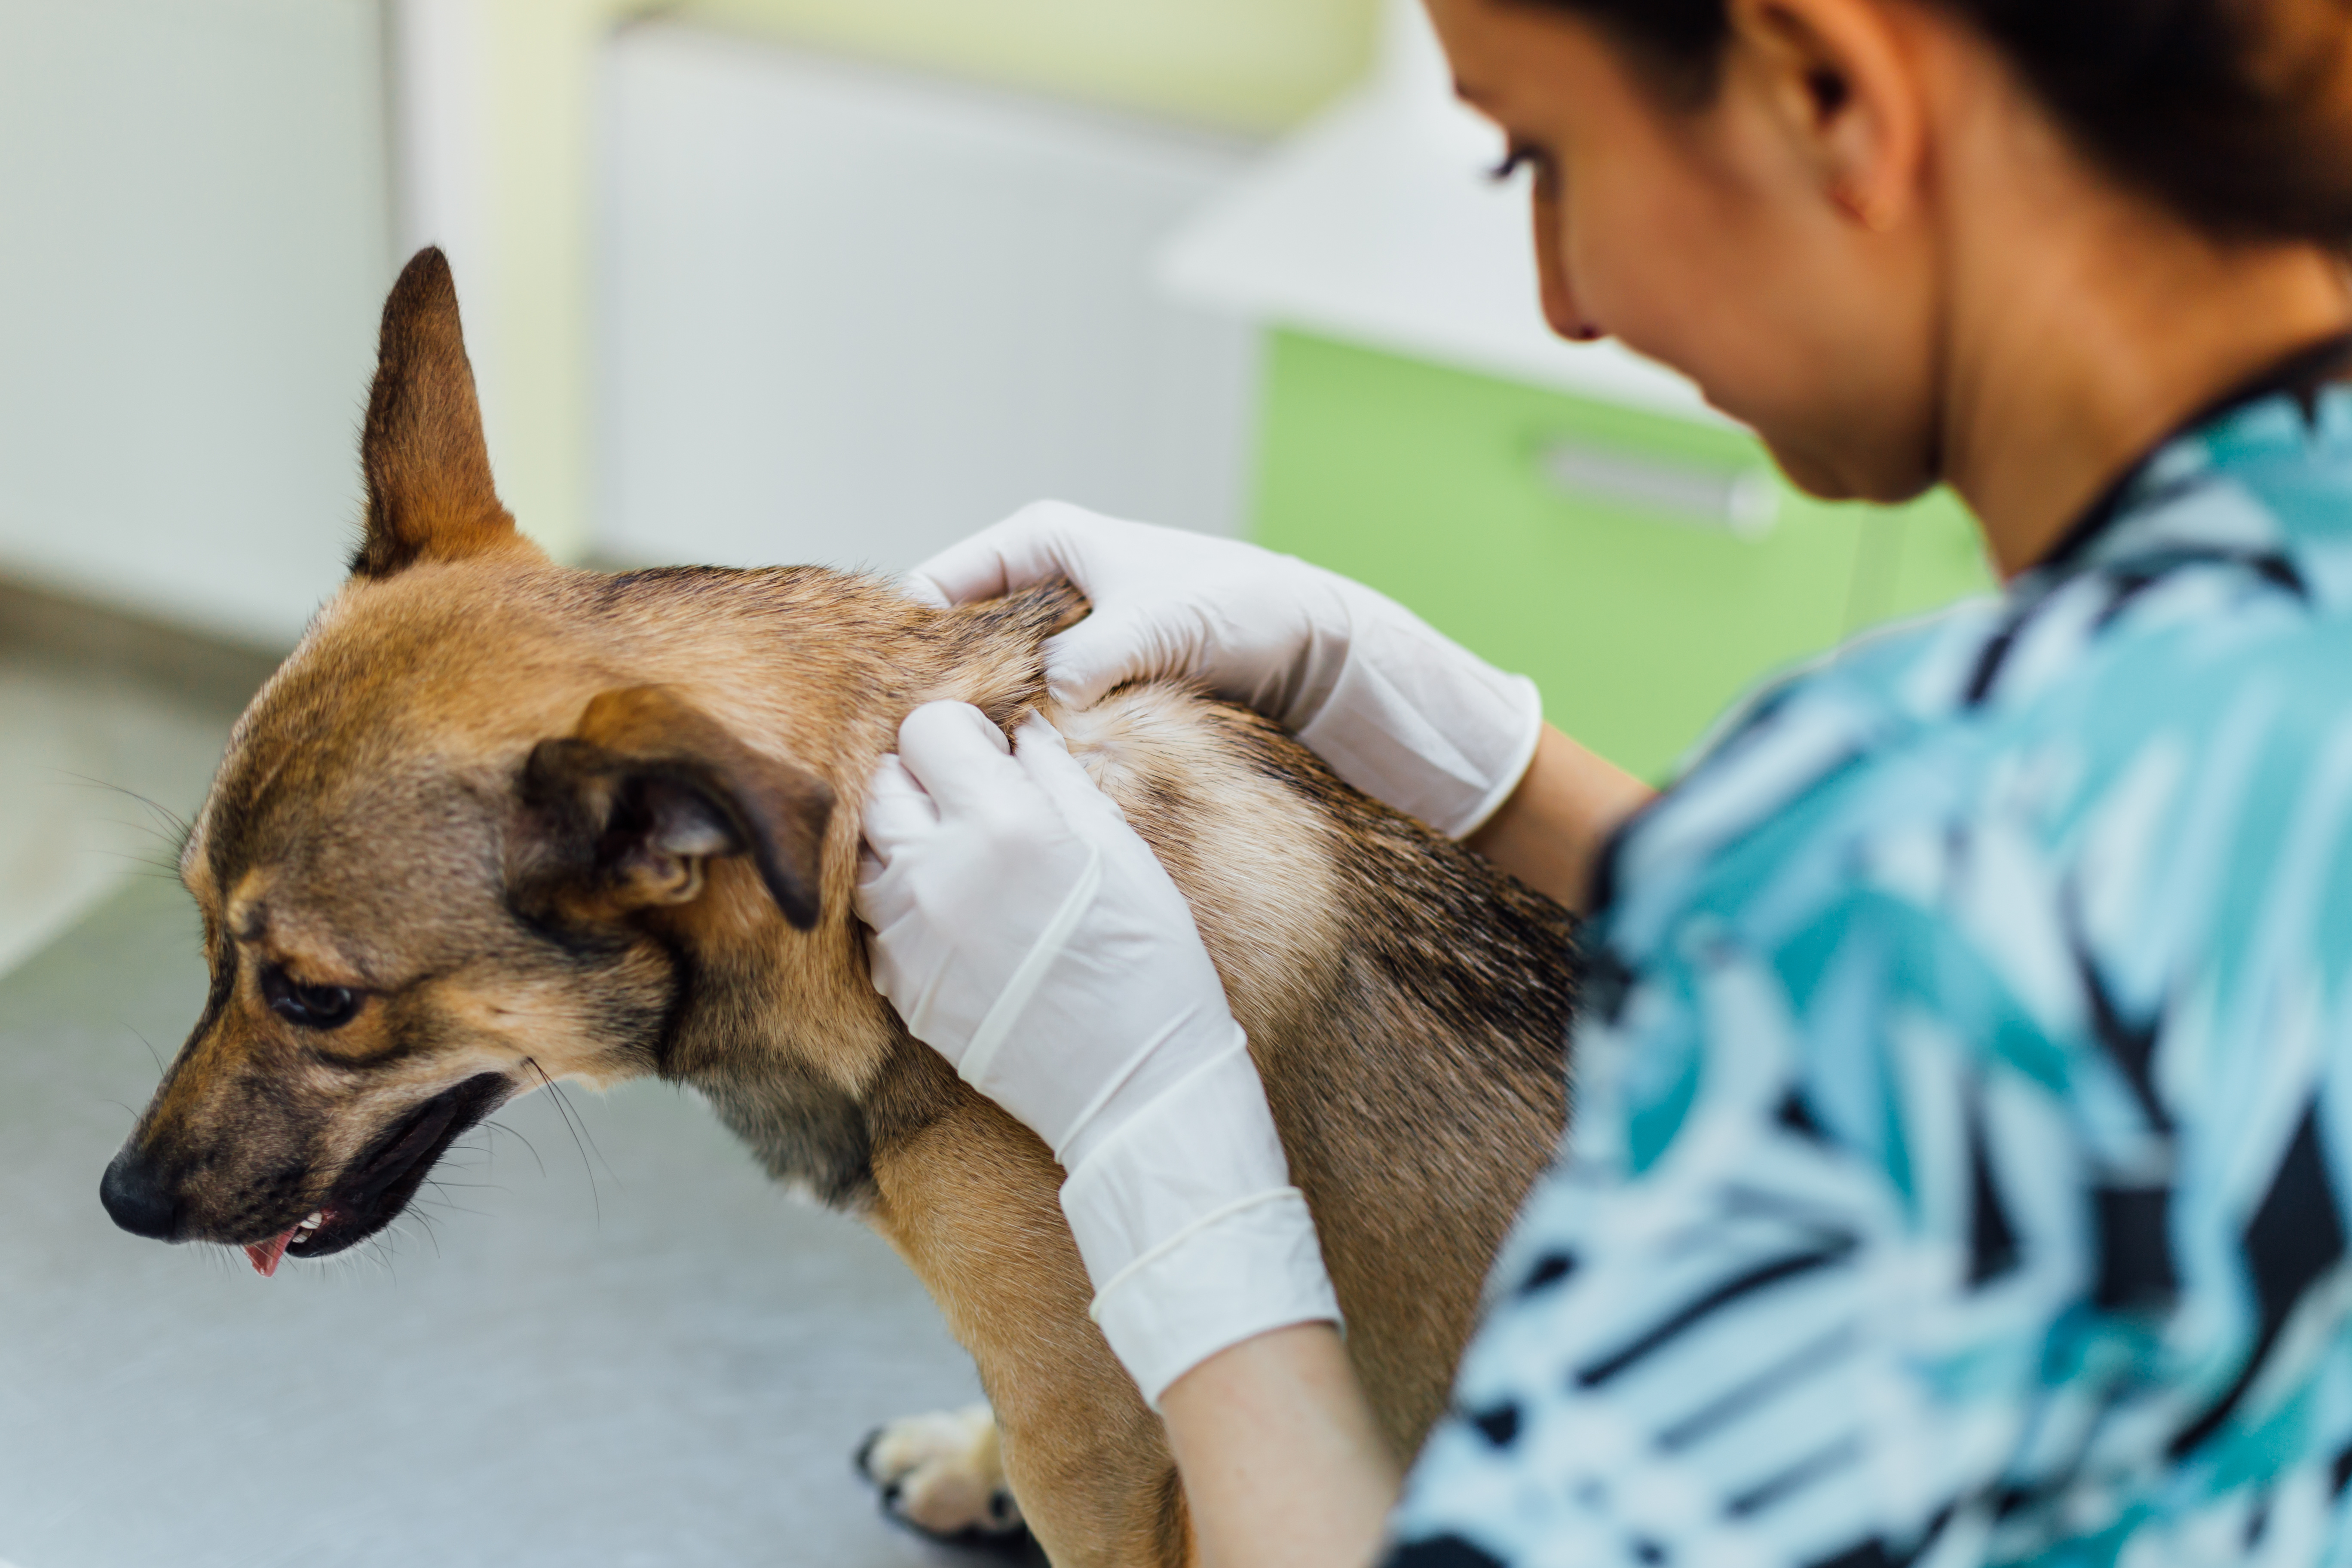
[1965,1086]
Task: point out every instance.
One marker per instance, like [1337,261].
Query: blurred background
[745,281]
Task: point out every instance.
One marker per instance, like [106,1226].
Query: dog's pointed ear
[429,495]
[649,788]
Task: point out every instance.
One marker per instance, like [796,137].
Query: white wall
[844,313]
[847,315]
[193,199]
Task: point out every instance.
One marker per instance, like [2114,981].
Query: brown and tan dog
[498,821]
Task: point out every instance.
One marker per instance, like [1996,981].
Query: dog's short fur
[524,823]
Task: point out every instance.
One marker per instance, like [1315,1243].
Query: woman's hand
[1024,930]
[1402,713]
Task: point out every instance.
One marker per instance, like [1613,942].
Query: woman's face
[1717,240]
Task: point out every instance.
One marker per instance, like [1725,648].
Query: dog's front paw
[943,1473]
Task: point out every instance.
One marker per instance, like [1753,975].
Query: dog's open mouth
[380,1181]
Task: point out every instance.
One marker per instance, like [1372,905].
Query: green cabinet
[1644,569]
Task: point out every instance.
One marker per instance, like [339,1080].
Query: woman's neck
[2068,359]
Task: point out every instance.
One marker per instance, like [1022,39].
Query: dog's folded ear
[649,788]
[429,495]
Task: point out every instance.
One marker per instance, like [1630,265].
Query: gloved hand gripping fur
[1397,710]
[1025,932]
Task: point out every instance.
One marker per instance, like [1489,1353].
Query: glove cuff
[1246,1271]
[1421,722]
[1190,1229]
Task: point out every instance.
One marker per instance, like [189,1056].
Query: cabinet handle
[1739,499]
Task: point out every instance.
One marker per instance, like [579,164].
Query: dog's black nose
[134,1193]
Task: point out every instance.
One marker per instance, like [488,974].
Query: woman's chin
[1845,471]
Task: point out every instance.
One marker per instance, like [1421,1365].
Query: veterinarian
[1965,1062]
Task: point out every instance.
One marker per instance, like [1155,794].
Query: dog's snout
[137,1195]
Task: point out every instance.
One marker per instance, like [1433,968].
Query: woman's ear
[1840,84]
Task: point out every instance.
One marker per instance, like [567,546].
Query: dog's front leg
[970,1201]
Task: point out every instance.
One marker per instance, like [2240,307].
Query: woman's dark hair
[2229,111]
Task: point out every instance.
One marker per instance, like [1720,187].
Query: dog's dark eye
[313,1007]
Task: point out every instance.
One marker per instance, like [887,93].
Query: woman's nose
[1561,310]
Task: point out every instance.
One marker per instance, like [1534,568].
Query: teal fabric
[1965,1088]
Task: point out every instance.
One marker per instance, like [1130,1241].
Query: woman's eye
[311,1007]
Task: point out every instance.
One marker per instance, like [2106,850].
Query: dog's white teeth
[313,1223]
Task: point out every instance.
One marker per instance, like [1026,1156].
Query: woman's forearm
[1550,831]
[1281,1461]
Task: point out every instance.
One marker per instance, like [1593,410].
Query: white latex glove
[1401,712]
[1025,932]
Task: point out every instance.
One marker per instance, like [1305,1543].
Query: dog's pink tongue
[266,1254]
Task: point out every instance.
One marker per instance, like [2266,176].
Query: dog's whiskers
[179,827]
[563,1109]
[151,1052]
[502,1127]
